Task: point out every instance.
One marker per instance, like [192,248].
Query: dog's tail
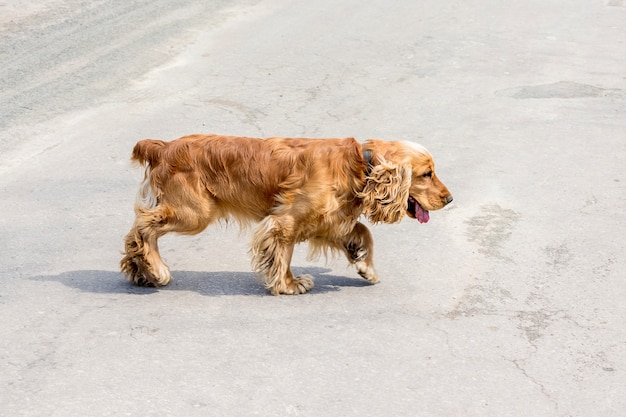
[147,152]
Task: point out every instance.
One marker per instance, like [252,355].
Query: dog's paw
[142,274]
[148,279]
[303,283]
[298,285]
[366,271]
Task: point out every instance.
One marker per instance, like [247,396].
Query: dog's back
[245,176]
[297,189]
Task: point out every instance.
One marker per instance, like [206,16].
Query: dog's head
[401,180]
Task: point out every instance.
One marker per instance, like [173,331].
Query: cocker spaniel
[298,190]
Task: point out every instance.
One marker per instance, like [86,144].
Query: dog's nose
[449,199]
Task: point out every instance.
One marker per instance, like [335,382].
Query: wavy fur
[296,189]
[386,192]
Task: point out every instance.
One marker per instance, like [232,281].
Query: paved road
[508,303]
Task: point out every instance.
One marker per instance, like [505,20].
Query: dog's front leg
[359,248]
[272,248]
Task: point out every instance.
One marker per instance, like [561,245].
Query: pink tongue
[421,214]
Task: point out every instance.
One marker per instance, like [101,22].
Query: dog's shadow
[214,284]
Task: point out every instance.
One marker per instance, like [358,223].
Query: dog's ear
[386,193]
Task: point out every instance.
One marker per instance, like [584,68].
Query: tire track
[73,55]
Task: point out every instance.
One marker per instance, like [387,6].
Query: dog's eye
[428,174]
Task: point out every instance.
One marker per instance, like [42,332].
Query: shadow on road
[213,284]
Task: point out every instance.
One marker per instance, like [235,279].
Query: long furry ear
[386,193]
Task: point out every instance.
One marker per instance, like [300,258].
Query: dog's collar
[367,156]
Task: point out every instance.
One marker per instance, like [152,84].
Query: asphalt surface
[508,303]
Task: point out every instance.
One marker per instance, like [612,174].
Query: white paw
[366,271]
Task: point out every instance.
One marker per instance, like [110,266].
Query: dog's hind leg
[178,205]
[142,263]
[272,248]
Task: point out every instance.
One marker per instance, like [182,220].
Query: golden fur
[298,190]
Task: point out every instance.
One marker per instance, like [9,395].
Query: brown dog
[299,190]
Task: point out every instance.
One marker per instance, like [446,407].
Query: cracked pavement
[507,303]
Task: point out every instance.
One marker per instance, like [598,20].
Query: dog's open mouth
[417,211]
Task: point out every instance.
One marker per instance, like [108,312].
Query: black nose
[449,199]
